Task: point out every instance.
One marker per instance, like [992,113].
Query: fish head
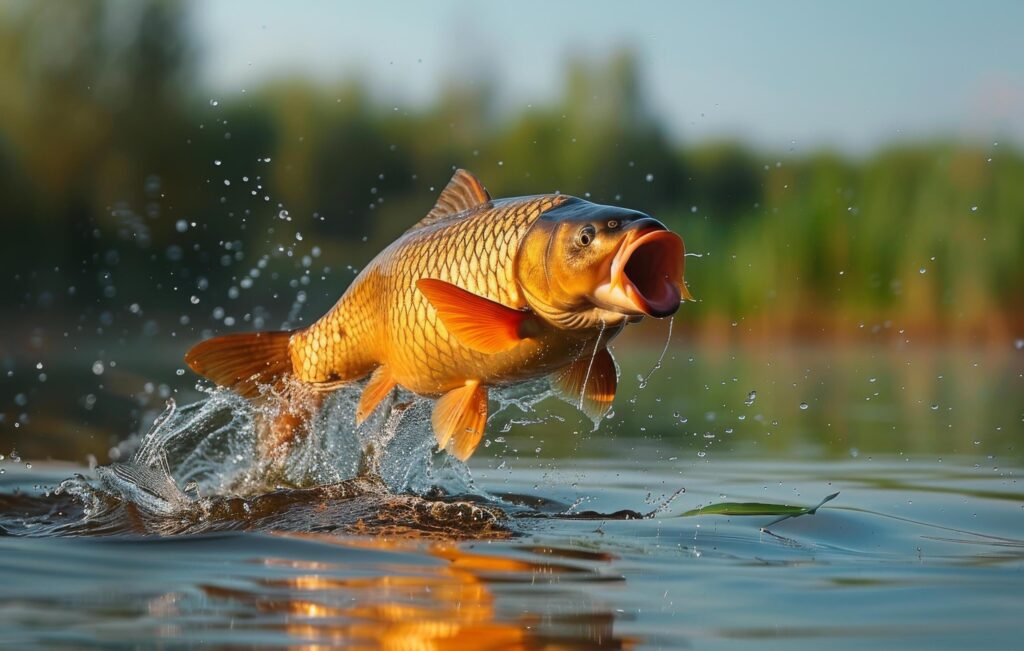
[613,262]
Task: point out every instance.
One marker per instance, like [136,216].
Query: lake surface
[557,536]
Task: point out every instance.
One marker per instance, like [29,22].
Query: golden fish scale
[384,319]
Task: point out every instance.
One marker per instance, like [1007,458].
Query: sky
[794,75]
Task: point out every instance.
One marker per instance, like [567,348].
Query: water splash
[207,466]
[522,400]
[644,379]
[217,464]
[219,445]
[133,498]
[590,366]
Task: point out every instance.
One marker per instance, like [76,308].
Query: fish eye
[613,223]
[585,236]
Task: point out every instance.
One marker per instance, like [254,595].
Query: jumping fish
[479,293]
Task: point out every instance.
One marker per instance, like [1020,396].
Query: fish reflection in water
[400,572]
[409,588]
[450,605]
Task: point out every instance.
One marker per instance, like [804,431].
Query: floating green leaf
[758,508]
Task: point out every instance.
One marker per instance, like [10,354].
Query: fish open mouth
[646,275]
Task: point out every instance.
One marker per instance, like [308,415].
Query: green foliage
[106,143]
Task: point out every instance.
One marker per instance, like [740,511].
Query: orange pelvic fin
[589,383]
[380,385]
[459,419]
[478,323]
[243,362]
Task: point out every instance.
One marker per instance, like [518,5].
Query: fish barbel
[477,294]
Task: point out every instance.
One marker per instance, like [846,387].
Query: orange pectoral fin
[589,383]
[380,385]
[459,419]
[478,323]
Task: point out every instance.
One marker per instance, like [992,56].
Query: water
[557,535]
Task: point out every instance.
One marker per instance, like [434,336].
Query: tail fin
[243,362]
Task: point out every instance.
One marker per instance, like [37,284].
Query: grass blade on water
[785,511]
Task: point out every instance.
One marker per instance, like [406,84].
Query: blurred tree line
[132,199]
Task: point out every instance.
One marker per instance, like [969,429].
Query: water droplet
[649,178]
[922,270]
[181,226]
[935,407]
[216,162]
[214,103]
[803,406]
[751,397]
[97,367]
[1019,344]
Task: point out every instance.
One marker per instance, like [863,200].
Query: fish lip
[651,284]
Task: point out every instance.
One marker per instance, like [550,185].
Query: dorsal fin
[462,193]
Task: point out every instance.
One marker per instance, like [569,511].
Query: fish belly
[439,365]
